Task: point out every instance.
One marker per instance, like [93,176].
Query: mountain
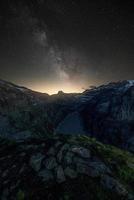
[66,168]
[18,109]
[105,112]
[48,148]
[109,113]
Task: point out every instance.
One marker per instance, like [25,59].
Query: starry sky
[69,45]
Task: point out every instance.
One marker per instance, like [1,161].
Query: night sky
[52,45]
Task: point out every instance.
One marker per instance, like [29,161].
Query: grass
[120,161]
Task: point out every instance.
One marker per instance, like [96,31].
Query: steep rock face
[65,168]
[109,115]
[105,112]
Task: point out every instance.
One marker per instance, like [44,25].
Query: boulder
[50,163]
[68,158]
[82,169]
[98,168]
[113,185]
[64,148]
[46,175]
[36,160]
[81,151]
[60,174]
[71,173]
[92,169]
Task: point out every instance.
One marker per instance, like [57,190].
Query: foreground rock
[64,168]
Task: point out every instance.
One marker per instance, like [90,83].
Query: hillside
[65,168]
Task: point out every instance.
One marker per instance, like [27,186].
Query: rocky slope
[105,112]
[64,168]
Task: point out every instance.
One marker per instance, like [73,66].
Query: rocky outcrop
[64,168]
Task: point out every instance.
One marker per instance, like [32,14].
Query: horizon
[60,90]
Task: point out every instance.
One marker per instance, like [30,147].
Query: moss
[107,152]
[20,195]
[121,162]
[126,174]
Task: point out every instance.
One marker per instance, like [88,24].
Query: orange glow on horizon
[55,89]
[72,86]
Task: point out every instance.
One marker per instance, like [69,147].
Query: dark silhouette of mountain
[105,112]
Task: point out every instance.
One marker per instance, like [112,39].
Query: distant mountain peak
[60,92]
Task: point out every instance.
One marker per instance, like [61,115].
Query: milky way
[65,45]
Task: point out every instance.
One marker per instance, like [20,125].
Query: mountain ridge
[105,112]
